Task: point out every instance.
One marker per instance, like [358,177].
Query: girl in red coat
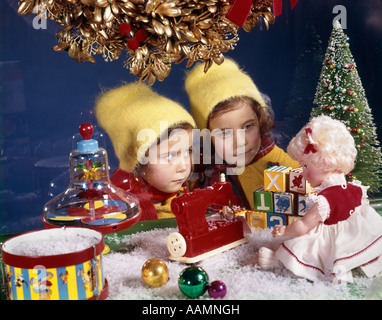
[152,138]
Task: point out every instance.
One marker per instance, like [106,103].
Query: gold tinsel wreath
[169,30]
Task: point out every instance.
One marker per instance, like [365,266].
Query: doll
[226,102]
[152,138]
[340,231]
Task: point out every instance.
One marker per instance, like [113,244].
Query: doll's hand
[278,231]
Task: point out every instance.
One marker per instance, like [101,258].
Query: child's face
[313,174]
[169,162]
[238,139]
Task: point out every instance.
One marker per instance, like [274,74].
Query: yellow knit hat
[125,111]
[221,82]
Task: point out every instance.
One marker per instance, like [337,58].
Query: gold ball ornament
[154,273]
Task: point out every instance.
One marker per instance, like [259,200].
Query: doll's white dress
[349,235]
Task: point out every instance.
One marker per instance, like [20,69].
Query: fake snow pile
[237,268]
[53,242]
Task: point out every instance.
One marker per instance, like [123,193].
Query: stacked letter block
[282,200]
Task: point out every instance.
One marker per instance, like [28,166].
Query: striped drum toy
[54,264]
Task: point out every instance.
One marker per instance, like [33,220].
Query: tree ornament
[193,281]
[133,44]
[217,289]
[154,273]
[368,164]
[141,35]
[124,28]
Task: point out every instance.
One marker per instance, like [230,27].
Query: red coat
[142,190]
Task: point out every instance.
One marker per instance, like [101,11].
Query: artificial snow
[237,268]
[52,242]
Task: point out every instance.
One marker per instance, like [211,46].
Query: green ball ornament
[193,282]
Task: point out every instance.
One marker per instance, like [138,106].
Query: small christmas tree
[340,95]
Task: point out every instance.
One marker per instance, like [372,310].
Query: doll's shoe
[267,259]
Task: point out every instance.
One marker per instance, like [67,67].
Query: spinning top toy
[91,200]
[154,273]
[193,282]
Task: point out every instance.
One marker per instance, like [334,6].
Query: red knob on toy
[86,131]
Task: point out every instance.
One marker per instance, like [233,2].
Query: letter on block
[292,219]
[274,219]
[301,205]
[276,178]
[257,219]
[297,182]
[283,202]
[263,200]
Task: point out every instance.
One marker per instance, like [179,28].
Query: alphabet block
[263,200]
[274,219]
[256,219]
[292,219]
[297,183]
[301,205]
[276,178]
[283,202]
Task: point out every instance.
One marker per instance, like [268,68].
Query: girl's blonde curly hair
[325,143]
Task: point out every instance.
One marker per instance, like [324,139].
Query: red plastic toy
[200,237]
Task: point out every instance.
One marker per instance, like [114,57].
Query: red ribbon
[239,11]
[310,147]
[278,6]
[242,8]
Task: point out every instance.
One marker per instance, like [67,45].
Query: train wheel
[176,244]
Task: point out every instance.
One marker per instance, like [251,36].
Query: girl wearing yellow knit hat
[151,136]
[226,101]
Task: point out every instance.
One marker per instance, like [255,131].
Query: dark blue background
[45,95]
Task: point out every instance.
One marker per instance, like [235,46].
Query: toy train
[200,237]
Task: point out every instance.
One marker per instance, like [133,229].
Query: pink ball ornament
[217,289]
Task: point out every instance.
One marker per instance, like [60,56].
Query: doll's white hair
[334,145]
